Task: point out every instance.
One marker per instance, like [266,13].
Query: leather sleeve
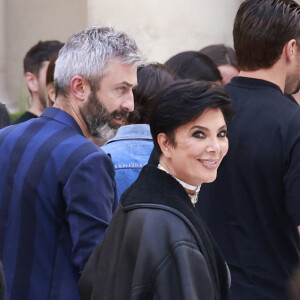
[183,275]
[2,283]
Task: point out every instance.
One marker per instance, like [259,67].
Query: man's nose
[128,103]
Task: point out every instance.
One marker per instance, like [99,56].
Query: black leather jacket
[152,249]
[2,283]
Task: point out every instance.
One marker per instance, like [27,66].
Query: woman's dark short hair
[220,54]
[183,102]
[151,79]
[194,65]
[261,30]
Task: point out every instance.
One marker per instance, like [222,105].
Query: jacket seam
[164,261]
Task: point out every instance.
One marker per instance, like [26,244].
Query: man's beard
[98,120]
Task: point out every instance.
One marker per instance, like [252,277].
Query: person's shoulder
[288,111]
[254,89]
[79,152]
[111,146]
[129,152]
[163,219]
[16,131]
[83,145]
[25,117]
[86,161]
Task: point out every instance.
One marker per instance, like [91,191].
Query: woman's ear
[164,144]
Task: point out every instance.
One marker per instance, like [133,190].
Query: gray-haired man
[57,189]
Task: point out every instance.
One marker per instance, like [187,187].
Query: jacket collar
[132,132]
[150,181]
[61,116]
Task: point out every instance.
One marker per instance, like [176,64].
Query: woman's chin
[209,179]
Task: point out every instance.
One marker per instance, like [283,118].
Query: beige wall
[165,27]
[25,23]
[160,27]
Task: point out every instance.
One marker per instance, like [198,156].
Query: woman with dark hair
[131,147]
[157,246]
[224,58]
[194,65]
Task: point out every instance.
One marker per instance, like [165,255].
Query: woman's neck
[191,190]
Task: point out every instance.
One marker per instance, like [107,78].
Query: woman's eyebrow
[199,127]
[206,129]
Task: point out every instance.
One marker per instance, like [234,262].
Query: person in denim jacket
[131,147]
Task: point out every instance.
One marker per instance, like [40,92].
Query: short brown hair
[261,30]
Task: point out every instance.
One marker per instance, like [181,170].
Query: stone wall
[165,27]
[22,24]
[161,28]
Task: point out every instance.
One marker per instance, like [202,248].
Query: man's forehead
[119,63]
[121,72]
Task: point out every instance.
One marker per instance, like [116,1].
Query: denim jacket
[130,150]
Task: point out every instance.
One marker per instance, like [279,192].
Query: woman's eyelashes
[202,135]
[222,133]
[199,134]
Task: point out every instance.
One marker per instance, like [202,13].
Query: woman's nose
[214,146]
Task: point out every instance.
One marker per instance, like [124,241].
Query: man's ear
[164,144]
[51,93]
[32,82]
[290,50]
[80,88]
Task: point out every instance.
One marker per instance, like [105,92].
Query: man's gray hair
[87,53]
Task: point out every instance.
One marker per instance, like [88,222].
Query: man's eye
[199,134]
[121,89]
[222,133]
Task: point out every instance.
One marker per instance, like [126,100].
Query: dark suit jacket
[57,196]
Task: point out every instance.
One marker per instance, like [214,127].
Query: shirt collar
[253,83]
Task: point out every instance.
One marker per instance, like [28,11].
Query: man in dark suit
[57,189]
[253,208]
